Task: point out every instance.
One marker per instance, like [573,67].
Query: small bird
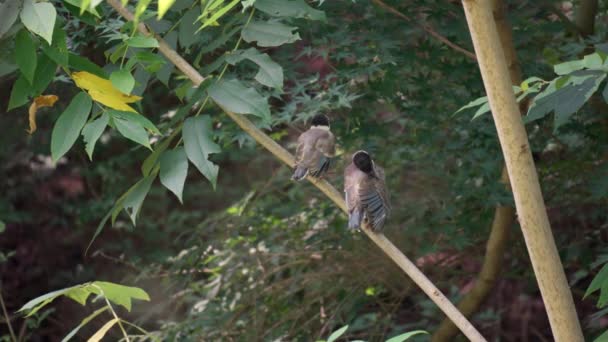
[365,191]
[315,149]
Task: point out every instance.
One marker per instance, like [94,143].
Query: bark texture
[522,173]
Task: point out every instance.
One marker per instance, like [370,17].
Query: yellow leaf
[102,331]
[102,91]
[39,102]
[110,101]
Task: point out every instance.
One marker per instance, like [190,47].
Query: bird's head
[363,161]
[320,120]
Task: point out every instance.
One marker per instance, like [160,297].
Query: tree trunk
[522,173]
[504,216]
[585,17]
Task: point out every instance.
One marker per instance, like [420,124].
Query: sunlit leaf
[39,102]
[406,336]
[217,15]
[103,331]
[163,7]
[119,294]
[83,323]
[336,334]
[39,18]
[102,91]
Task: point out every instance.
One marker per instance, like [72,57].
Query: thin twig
[278,151]
[8,318]
[427,28]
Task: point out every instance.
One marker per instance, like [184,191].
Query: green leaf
[68,126]
[233,96]
[39,18]
[270,73]
[598,281]
[218,14]
[173,171]
[483,109]
[9,11]
[39,302]
[576,99]
[187,27]
[406,336]
[150,162]
[136,118]
[269,33]
[336,334]
[2,227]
[163,7]
[120,294]
[288,8]
[140,8]
[25,55]
[474,103]
[92,131]
[79,4]
[82,64]
[593,61]
[199,145]
[20,93]
[45,72]
[123,80]
[602,338]
[142,42]
[132,131]
[83,323]
[568,67]
[58,51]
[132,200]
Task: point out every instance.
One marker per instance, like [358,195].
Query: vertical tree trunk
[585,17]
[504,216]
[522,173]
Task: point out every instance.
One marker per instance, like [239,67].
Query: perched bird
[365,190]
[315,149]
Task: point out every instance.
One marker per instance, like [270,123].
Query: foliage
[115,293]
[248,253]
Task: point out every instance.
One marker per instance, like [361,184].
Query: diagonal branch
[427,28]
[278,151]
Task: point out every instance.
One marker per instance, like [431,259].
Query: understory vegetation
[129,185]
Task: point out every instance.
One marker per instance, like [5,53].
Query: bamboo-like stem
[504,216]
[7,317]
[427,28]
[522,173]
[278,151]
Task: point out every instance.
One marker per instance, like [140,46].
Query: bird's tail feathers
[300,173]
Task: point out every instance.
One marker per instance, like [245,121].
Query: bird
[365,193]
[316,148]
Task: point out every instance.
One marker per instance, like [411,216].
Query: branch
[531,210]
[426,28]
[278,151]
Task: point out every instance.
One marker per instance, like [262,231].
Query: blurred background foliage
[262,258]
